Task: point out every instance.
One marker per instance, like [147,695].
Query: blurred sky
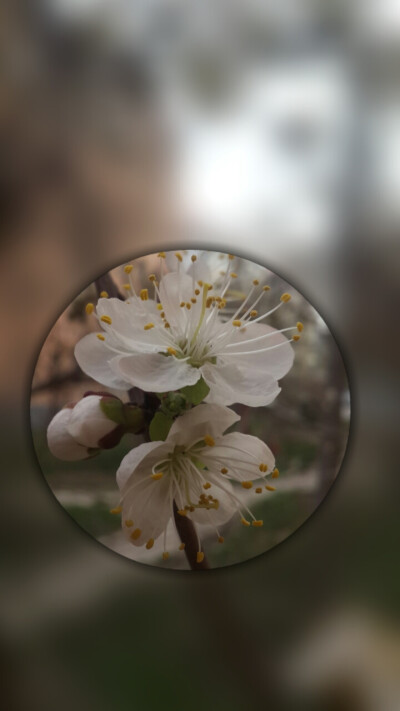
[262,128]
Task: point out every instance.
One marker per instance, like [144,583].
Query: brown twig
[187,534]
[107,283]
[57,381]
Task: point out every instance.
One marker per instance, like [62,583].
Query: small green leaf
[196,393]
[160,426]
[113,409]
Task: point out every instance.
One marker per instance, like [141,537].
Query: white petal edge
[155,373]
[94,358]
[201,420]
[229,384]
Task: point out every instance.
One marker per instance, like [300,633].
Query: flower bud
[60,441]
[90,425]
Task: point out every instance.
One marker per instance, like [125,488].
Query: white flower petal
[88,423]
[155,373]
[138,455]
[146,503]
[94,357]
[226,505]
[60,441]
[241,454]
[128,320]
[201,420]
[175,288]
[276,362]
[228,384]
[149,507]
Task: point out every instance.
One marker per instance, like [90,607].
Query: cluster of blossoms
[187,338]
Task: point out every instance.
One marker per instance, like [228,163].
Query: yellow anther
[197,292]
[222,303]
[182,512]
[300,326]
[126,286]
[188,306]
[209,441]
[171,350]
[144,294]
[106,319]
[193,258]
[257,524]
[247,484]
[136,534]
[275,473]
[244,522]
[256,282]
[157,475]
[296,337]
[150,543]
[222,272]
[224,470]
[233,275]
[162,314]
[182,547]
[104,294]
[129,523]
[159,307]
[253,313]
[258,490]
[236,323]
[116,510]
[207,485]
[128,268]
[89,308]
[148,326]
[231,256]
[270,488]
[166,325]
[200,283]
[161,254]
[208,287]
[193,300]
[199,557]
[263,467]
[182,304]
[266,288]
[221,539]
[285,297]
[152,277]
[165,555]
[209,302]
[178,256]
[100,337]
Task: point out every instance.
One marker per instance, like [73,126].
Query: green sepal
[196,393]
[160,426]
[113,408]
[173,404]
[134,418]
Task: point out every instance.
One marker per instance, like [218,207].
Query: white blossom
[184,333]
[194,468]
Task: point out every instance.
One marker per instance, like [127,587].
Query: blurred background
[306,427]
[269,130]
